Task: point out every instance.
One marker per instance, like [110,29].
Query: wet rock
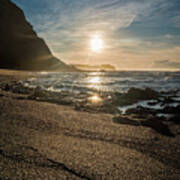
[125,120]
[20,89]
[167,100]
[66,101]
[151,122]
[16,87]
[39,92]
[141,111]
[170,93]
[175,119]
[142,94]
[153,103]
[22,98]
[171,110]
[99,107]
[7,87]
[108,109]
[156,139]
[158,126]
[134,95]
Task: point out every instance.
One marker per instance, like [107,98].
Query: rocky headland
[20,46]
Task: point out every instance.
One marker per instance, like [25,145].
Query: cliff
[20,47]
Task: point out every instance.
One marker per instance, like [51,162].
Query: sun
[96,43]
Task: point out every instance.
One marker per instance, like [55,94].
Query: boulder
[158,125]
[134,95]
[142,94]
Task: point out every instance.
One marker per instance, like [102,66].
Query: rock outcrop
[20,47]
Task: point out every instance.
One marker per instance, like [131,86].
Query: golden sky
[133,34]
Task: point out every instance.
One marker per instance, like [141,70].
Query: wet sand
[40,140]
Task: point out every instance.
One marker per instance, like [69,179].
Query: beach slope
[40,140]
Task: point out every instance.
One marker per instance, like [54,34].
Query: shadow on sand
[154,124]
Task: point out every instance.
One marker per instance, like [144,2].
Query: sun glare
[95,80]
[95,99]
[96,43]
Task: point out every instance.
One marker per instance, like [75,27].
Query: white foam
[165,115]
[144,104]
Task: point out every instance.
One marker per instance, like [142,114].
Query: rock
[153,103]
[141,111]
[142,94]
[167,100]
[171,110]
[21,48]
[20,89]
[108,109]
[170,93]
[39,92]
[150,121]
[125,120]
[175,119]
[134,95]
[7,87]
[158,126]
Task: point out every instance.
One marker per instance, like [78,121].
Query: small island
[102,67]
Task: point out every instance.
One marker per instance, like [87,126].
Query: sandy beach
[41,140]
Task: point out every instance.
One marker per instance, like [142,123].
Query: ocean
[111,83]
[107,81]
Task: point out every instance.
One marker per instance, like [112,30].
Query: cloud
[169,36]
[176,20]
[134,31]
[74,22]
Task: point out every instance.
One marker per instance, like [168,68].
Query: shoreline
[42,139]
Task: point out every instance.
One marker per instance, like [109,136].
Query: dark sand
[40,140]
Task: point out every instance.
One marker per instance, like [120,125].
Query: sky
[134,34]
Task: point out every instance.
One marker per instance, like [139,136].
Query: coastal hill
[102,67]
[20,46]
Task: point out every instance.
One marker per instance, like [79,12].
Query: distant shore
[45,139]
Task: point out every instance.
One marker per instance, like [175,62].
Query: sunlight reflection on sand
[95,99]
[95,83]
